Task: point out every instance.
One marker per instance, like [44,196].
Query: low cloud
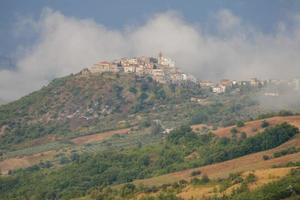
[66,45]
[283,96]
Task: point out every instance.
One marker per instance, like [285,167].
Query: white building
[129,69]
[100,67]
[219,89]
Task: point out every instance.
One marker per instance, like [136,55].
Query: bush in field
[264,124]
[196,173]
[250,178]
[233,130]
[240,124]
[266,157]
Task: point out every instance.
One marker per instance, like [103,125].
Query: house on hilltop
[164,61]
[104,66]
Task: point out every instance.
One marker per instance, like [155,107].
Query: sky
[212,39]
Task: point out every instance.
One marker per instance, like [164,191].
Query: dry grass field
[263,177]
[24,161]
[98,136]
[256,125]
[30,160]
[223,169]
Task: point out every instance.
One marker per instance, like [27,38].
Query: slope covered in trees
[112,167]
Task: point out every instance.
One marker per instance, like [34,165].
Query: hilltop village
[163,70]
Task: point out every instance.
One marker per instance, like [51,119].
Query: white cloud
[227,20]
[66,45]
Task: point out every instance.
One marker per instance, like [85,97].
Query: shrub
[284,152]
[243,136]
[127,189]
[250,178]
[205,178]
[240,124]
[253,129]
[133,90]
[233,130]
[196,173]
[264,124]
[266,157]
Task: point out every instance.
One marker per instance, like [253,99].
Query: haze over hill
[228,48]
[149,100]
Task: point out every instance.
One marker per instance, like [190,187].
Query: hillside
[77,105]
[249,173]
[100,130]
[13,162]
[224,169]
[105,168]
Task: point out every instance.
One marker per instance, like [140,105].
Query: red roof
[104,62]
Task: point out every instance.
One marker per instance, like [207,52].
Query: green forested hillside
[111,167]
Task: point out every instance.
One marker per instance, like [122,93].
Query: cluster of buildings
[161,69]
[226,84]
[271,87]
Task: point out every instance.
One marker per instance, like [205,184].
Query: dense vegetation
[112,167]
[76,105]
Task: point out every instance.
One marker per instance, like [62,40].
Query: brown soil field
[24,161]
[223,169]
[249,126]
[98,136]
[198,127]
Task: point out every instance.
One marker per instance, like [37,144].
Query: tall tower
[160,57]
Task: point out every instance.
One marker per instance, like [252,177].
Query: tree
[205,178]
[240,124]
[74,157]
[250,178]
[264,124]
[196,173]
[266,157]
[233,130]
[133,90]
[243,136]
[127,189]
